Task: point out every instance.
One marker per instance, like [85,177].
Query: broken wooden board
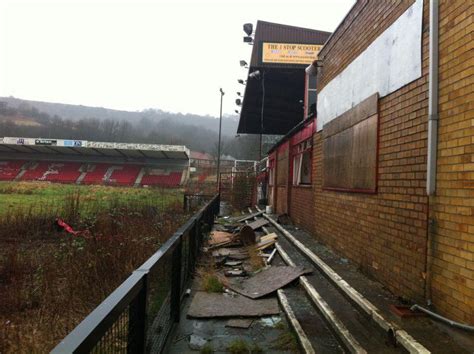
[235,273]
[239,323]
[233,263]
[247,235]
[267,281]
[220,237]
[262,245]
[207,305]
[272,236]
[251,216]
[233,253]
[258,223]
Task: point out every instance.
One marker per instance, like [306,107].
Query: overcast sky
[132,55]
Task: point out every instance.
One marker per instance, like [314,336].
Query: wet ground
[268,333]
[436,337]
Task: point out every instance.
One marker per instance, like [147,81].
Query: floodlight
[238,101]
[255,74]
[248,39]
[243,63]
[240,81]
[248,29]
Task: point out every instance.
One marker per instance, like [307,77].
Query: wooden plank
[251,216]
[258,223]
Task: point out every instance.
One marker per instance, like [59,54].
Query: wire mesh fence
[238,189]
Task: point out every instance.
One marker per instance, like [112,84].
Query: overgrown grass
[50,280]
[36,196]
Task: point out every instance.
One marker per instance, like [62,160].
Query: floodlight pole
[219,145]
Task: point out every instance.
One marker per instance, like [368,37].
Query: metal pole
[219,144]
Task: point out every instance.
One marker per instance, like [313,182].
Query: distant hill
[78,112]
[34,119]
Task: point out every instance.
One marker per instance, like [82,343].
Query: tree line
[143,130]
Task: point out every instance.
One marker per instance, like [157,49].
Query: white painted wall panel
[389,63]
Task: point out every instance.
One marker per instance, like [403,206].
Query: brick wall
[281,200]
[452,210]
[385,233]
[301,208]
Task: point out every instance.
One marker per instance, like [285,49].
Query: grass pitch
[37,196]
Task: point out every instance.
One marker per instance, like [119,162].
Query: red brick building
[366,193]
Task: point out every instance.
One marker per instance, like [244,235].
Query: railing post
[176,282]
[137,321]
[185,204]
[193,246]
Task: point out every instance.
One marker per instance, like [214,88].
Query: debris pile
[239,252]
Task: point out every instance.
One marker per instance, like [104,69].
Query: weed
[256,262]
[212,284]
[279,325]
[286,341]
[49,279]
[256,349]
[207,349]
[238,346]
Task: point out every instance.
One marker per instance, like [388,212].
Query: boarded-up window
[271,171]
[282,165]
[350,148]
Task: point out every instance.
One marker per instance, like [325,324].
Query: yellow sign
[289,53]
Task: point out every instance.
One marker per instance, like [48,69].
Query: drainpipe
[432,138]
[433,99]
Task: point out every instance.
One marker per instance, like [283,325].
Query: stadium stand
[171,179]
[96,174]
[10,169]
[126,175]
[86,162]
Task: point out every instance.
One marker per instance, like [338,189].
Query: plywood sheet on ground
[206,305]
[267,281]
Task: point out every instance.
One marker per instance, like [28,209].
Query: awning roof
[86,148]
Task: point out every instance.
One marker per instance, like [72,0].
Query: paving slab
[207,305]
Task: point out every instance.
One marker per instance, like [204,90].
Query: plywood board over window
[282,165]
[350,149]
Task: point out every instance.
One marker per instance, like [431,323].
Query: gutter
[433,99]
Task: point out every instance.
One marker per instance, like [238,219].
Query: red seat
[10,169]
[172,179]
[125,176]
[36,172]
[64,172]
[96,176]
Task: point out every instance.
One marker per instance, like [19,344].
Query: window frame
[299,150]
[307,90]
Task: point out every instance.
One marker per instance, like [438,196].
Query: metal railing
[138,316]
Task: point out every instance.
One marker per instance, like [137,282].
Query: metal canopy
[62,147]
[282,103]
[283,83]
